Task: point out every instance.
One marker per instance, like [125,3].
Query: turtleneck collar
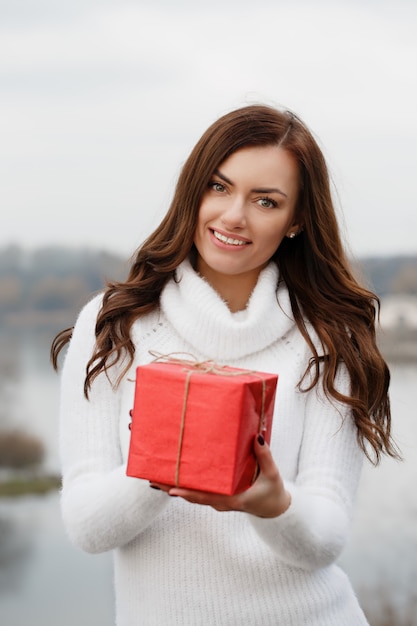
[202,318]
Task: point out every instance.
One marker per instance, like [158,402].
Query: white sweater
[179,564]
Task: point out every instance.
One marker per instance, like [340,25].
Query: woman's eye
[217,187]
[267,203]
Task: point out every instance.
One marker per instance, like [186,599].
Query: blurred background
[100,103]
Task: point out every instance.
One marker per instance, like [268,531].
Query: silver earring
[292,235]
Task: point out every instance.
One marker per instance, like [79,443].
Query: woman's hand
[267,496]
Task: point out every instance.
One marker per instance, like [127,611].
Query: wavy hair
[322,287]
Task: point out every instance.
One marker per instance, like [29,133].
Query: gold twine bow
[203,367]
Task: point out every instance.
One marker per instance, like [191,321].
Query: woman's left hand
[267,497]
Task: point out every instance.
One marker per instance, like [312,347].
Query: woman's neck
[234,289]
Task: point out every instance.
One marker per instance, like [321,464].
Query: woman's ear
[294,230]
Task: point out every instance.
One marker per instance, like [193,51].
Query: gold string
[182,427]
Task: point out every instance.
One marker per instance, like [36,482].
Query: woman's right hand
[267,497]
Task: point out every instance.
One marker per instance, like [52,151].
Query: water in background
[45,581]
[381,557]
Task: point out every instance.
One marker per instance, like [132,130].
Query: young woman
[246,269]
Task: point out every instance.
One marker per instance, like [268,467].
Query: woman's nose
[234,216]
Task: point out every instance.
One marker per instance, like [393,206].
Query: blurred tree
[405,281]
[53,278]
[51,293]
[18,449]
[11,260]
[11,292]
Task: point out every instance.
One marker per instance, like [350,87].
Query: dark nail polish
[261,440]
[131,412]
[153,487]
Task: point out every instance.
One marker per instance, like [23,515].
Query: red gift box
[193,425]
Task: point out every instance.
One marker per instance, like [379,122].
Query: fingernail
[261,440]
[153,487]
[131,412]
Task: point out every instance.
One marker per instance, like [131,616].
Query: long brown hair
[314,267]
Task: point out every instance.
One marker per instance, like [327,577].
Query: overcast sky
[102,100]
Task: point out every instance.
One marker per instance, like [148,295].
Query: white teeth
[229,240]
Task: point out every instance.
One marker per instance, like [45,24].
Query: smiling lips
[229,240]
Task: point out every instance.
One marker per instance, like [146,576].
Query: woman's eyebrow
[223,177]
[270,190]
[261,190]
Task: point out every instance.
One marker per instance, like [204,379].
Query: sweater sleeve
[102,508]
[314,529]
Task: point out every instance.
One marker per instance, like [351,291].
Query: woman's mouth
[231,241]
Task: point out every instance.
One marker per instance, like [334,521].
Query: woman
[246,269]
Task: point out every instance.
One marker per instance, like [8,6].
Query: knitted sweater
[181,564]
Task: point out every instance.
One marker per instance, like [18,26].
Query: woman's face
[246,211]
